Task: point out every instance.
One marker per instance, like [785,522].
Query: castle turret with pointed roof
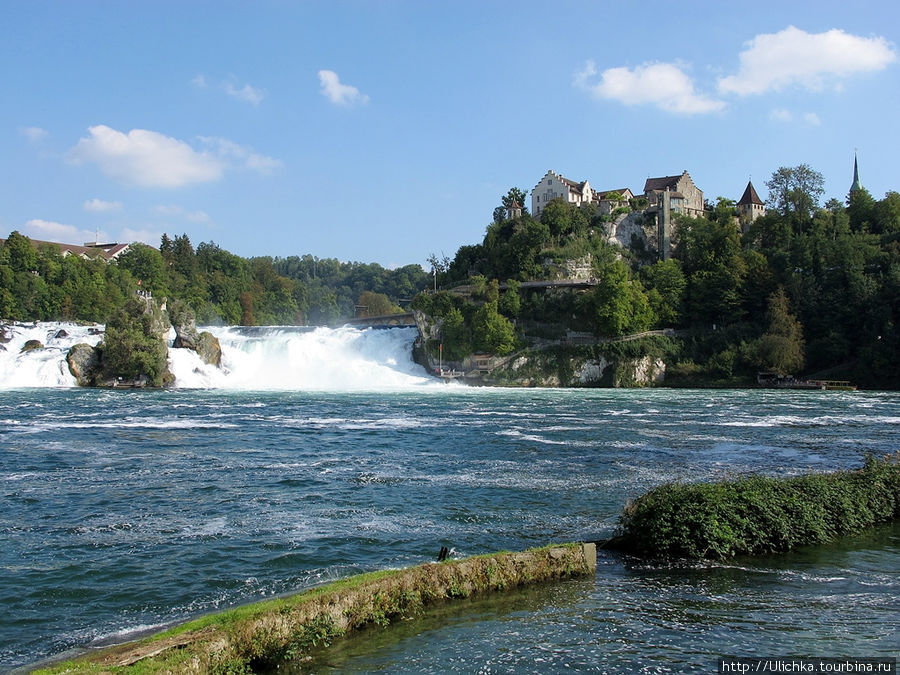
[856,184]
[750,207]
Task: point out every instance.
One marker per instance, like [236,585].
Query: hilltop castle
[666,196]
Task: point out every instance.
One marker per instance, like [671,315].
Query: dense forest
[806,289]
[41,284]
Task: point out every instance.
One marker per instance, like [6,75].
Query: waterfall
[45,367]
[285,358]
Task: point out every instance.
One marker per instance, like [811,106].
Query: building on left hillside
[91,249]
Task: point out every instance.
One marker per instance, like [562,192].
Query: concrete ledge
[263,635]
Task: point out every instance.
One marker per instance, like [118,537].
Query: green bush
[759,514]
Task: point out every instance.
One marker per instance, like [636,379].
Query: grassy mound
[264,635]
[759,514]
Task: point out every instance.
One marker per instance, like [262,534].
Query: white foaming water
[298,359]
[262,358]
[45,367]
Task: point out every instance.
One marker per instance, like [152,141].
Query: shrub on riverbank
[760,514]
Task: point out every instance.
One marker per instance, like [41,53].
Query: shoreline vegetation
[261,636]
[759,514]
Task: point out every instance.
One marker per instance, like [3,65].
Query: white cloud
[781,115]
[146,158]
[229,150]
[174,211]
[35,134]
[809,60]
[48,230]
[99,206]
[150,159]
[338,93]
[664,85]
[245,93]
[787,117]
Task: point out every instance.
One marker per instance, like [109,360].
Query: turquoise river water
[122,512]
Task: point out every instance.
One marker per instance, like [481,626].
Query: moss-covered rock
[31,345]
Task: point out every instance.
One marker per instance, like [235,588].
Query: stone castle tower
[750,207]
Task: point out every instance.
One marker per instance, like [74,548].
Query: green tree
[711,258]
[147,266]
[780,349]
[665,285]
[456,337]
[862,211]
[491,331]
[375,304]
[617,305]
[795,192]
[557,216]
[510,303]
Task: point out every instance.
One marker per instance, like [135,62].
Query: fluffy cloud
[664,85]
[809,60]
[173,211]
[48,230]
[150,159]
[146,158]
[35,134]
[99,206]
[338,93]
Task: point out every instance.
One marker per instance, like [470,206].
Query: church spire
[856,184]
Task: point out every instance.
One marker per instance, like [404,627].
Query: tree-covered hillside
[805,289]
[41,284]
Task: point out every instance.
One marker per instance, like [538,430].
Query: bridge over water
[384,321]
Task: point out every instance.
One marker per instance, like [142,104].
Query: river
[124,511]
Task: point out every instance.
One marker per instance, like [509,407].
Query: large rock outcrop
[133,353]
[187,337]
[84,364]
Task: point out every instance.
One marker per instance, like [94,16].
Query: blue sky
[383,131]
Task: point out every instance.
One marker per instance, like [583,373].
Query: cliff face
[574,368]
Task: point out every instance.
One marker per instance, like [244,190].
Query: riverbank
[268,634]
